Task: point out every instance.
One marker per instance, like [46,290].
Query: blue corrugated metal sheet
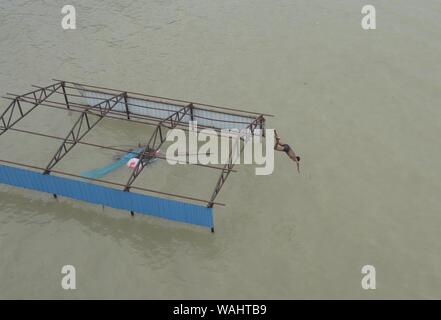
[79,190]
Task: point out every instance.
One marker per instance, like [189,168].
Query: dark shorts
[286,148]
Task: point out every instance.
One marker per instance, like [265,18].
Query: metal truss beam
[17,111]
[228,167]
[168,100]
[82,127]
[157,139]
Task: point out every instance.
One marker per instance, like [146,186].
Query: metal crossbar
[228,167]
[16,112]
[155,142]
[82,127]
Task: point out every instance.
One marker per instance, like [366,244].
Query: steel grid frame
[92,115]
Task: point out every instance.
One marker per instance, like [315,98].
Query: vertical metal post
[127,105]
[262,125]
[191,111]
[65,95]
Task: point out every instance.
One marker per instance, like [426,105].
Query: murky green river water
[362,108]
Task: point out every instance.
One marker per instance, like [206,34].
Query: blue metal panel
[85,191]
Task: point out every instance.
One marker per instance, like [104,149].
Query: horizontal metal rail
[121,114]
[8,118]
[169,99]
[81,128]
[158,108]
[109,148]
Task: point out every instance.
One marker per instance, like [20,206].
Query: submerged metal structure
[93,104]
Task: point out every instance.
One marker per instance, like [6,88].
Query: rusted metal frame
[106,147]
[130,104]
[6,117]
[141,116]
[61,106]
[154,144]
[76,133]
[153,108]
[175,104]
[154,120]
[4,123]
[163,102]
[228,167]
[169,99]
[95,145]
